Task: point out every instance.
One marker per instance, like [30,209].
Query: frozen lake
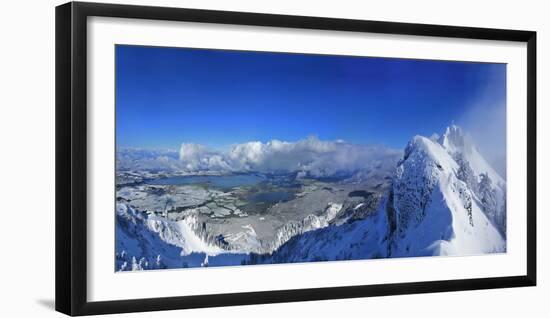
[272,197]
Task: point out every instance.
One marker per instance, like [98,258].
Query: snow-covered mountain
[443,200]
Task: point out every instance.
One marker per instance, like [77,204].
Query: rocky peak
[453,139]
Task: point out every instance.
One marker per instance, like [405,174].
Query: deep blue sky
[166,96]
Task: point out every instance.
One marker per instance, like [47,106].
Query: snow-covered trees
[485,190]
[159,264]
[501,221]
[140,265]
[465,172]
[488,196]
[205,262]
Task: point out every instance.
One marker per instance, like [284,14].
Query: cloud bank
[307,156]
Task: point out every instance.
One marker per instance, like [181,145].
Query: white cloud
[279,155]
[195,157]
[307,156]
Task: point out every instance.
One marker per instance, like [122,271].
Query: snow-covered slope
[139,246]
[309,223]
[145,241]
[363,239]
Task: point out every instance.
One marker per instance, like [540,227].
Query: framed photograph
[208,158]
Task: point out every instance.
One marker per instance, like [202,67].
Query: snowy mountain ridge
[430,210]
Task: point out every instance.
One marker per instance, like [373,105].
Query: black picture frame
[71,157]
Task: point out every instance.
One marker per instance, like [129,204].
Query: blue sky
[167,96]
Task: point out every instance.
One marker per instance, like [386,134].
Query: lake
[271,197]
